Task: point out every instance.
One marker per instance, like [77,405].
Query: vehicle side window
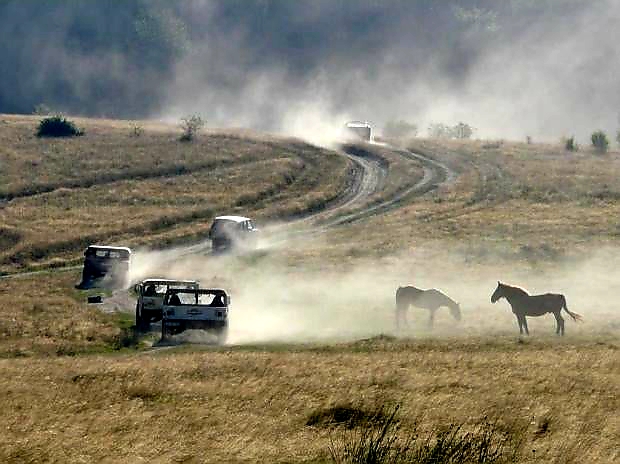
[205,298]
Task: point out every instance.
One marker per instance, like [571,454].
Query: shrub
[570,144]
[600,141]
[58,126]
[462,131]
[400,129]
[191,125]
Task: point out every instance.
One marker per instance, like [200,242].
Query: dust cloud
[523,68]
[281,295]
[509,69]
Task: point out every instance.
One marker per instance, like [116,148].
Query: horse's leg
[527,332]
[559,323]
[520,323]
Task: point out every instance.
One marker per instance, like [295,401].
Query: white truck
[150,303]
[198,308]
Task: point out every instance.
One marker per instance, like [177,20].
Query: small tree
[191,125]
[570,144]
[462,131]
[600,141]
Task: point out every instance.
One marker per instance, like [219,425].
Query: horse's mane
[517,289]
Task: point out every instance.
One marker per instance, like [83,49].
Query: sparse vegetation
[460,130]
[191,126]
[600,141]
[58,126]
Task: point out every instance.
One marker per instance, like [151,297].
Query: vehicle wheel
[165,331]
[142,323]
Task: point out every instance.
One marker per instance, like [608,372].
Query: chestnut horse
[523,304]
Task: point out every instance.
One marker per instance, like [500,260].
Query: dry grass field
[109,186]
[312,332]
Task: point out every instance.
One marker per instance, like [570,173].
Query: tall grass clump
[58,126]
[384,441]
[191,125]
[600,141]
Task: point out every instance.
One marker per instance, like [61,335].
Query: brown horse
[431,299]
[523,304]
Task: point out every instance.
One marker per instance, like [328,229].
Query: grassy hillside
[110,186]
[307,309]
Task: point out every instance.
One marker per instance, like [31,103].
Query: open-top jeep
[105,266]
[150,302]
[202,309]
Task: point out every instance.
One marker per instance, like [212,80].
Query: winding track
[367,178]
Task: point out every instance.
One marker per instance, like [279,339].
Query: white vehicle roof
[358,124]
[232,218]
[169,281]
[200,291]
[104,247]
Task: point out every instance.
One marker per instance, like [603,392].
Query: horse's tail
[576,316]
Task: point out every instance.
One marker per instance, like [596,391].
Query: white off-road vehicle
[233,232]
[150,302]
[358,130]
[201,309]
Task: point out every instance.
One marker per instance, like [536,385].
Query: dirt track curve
[367,177]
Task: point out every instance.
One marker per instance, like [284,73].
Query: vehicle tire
[142,323]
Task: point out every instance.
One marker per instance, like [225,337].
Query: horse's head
[455,311]
[498,293]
